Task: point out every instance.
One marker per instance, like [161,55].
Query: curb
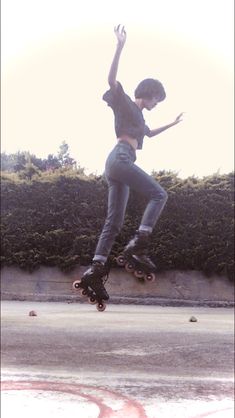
[119,300]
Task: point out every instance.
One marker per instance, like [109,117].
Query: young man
[121,172]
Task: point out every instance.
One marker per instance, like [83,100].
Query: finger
[116,28]
[121,28]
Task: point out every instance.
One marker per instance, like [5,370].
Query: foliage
[23,162]
[53,218]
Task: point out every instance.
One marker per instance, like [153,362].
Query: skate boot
[134,257]
[138,244]
[91,284]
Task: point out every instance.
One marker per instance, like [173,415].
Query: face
[149,104]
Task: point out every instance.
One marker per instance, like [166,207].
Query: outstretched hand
[179,118]
[120,34]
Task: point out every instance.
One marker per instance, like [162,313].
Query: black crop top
[128,117]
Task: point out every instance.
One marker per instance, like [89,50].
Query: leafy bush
[55,219]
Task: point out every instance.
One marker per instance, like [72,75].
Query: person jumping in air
[122,173]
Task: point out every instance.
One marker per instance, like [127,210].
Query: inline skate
[91,285]
[135,260]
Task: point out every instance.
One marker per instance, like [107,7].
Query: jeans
[121,175]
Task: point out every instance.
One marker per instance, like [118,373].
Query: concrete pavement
[129,361]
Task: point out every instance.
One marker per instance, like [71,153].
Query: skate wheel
[101,306]
[76,284]
[92,300]
[150,277]
[129,267]
[121,260]
[139,274]
[84,292]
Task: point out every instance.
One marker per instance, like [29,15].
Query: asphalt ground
[128,361]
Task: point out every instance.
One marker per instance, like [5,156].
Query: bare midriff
[132,141]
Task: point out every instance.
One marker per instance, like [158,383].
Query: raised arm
[121,38]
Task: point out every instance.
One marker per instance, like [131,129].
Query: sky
[56,56]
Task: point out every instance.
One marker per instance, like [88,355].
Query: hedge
[55,220]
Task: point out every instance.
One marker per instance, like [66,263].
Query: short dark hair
[150,88]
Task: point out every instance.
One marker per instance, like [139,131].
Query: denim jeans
[121,175]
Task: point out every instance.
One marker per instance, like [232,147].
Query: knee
[160,195]
[164,196]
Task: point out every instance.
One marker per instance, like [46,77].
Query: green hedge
[54,220]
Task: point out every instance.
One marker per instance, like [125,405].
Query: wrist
[119,47]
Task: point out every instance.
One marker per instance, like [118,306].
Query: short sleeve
[113,97]
[147,131]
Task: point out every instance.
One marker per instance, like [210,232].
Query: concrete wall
[172,287]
